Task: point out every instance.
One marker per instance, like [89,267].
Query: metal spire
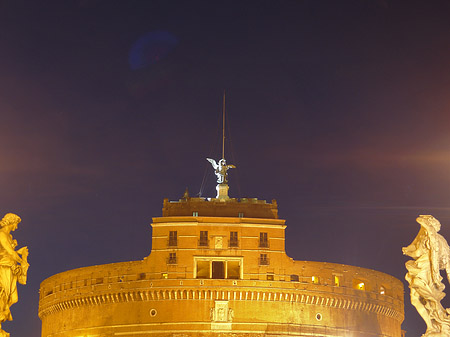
[221,167]
[223,127]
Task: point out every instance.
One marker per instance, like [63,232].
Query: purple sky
[339,110]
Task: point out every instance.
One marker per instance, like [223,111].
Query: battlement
[244,207]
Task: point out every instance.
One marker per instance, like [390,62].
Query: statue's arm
[414,246]
[4,242]
[22,251]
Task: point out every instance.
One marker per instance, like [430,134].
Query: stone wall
[119,298]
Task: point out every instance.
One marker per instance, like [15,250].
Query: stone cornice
[305,297]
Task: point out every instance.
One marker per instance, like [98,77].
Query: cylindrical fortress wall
[122,299]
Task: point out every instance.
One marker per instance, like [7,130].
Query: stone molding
[159,294]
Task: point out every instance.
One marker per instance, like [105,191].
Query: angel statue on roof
[431,254]
[13,267]
[220,169]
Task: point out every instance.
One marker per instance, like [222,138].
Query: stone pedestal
[222,191]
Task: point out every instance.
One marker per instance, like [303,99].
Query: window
[173,240]
[382,290]
[233,270]
[172,258]
[203,242]
[359,284]
[336,281]
[241,215]
[263,242]
[194,213]
[218,268]
[233,239]
[269,277]
[263,260]
[315,279]
[165,275]
[203,269]
[294,278]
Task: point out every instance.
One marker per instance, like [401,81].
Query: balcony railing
[171,260]
[233,243]
[203,243]
[263,244]
[263,261]
[172,242]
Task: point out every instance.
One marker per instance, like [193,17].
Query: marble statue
[431,254]
[13,267]
[220,169]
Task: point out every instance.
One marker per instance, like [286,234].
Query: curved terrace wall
[87,300]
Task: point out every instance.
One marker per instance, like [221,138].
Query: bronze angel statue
[13,267]
[431,254]
[220,169]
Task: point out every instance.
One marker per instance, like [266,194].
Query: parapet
[244,207]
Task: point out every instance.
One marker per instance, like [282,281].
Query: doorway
[218,270]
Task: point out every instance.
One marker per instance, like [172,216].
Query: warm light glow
[233,269]
[336,281]
[218,268]
[315,279]
[382,290]
[359,284]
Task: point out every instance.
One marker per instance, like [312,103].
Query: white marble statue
[13,267]
[220,169]
[431,254]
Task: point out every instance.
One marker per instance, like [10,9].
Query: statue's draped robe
[9,272]
[423,279]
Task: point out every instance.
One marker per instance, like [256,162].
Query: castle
[218,267]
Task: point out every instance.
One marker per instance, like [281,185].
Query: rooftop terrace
[244,207]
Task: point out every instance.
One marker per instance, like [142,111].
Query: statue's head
[428,221]
[222,162]
[10,219]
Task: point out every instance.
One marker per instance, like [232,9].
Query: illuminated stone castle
[218,267]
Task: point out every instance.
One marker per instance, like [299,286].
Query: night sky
[339,110]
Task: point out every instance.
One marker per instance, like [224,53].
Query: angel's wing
[434,255]
[213,163]
[444,255]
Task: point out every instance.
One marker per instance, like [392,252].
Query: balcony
[263,261]
[263,244]
[172,242]
[204,243]
[171,260]
[233,243]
